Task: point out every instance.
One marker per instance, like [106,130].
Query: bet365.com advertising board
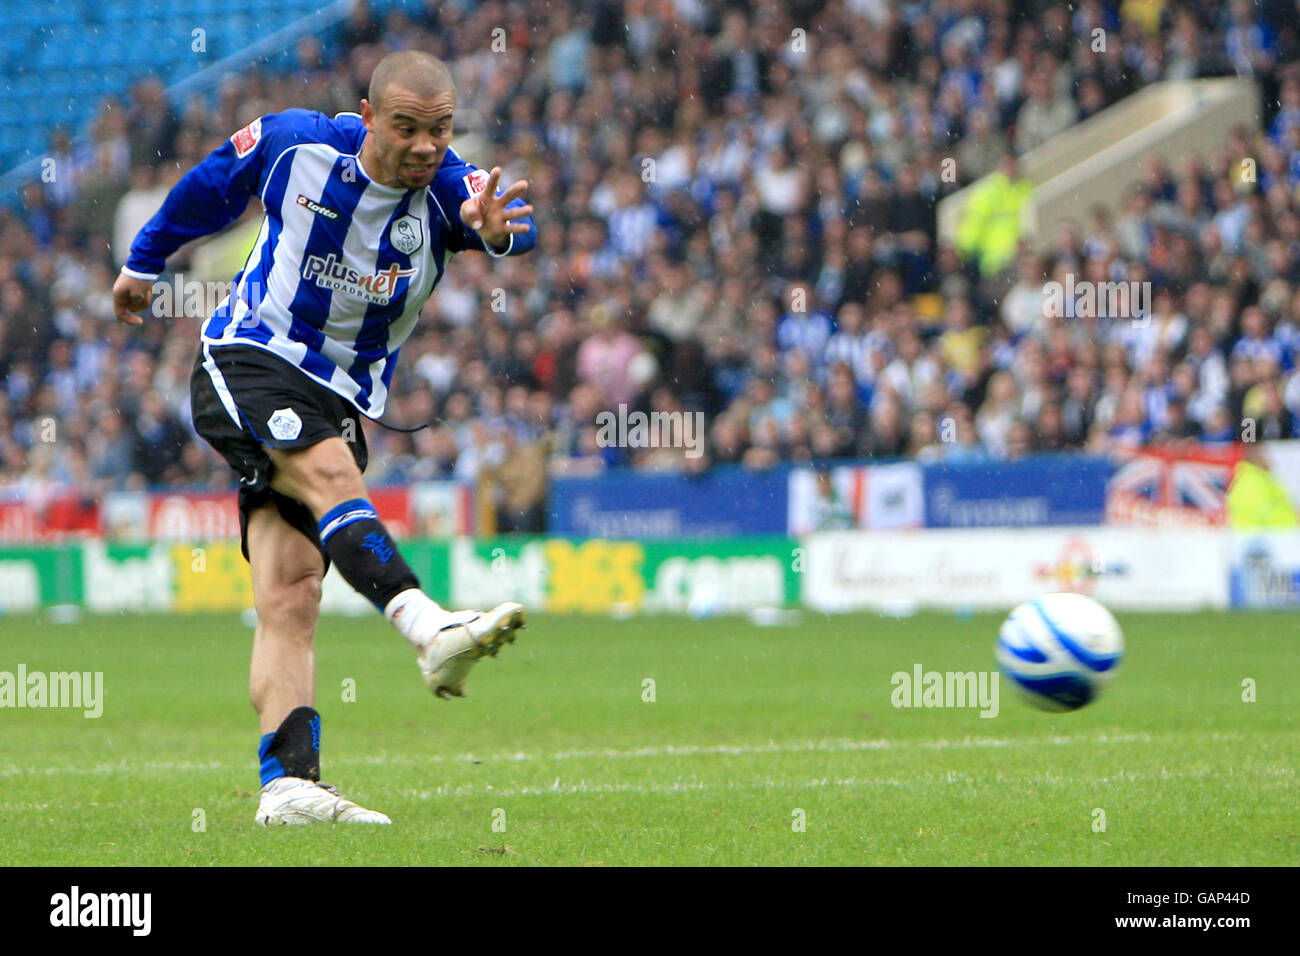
[593,576]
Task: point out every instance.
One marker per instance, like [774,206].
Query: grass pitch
[557,757]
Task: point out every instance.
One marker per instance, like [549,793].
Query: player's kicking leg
[287,569]
[326,478]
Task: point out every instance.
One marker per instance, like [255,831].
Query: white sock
[410,612]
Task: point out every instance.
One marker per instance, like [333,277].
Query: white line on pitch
[691,786]
[667,750]
[557,788]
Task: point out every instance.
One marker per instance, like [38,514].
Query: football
[1060,650]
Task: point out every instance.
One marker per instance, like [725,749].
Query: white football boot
[464,638]
[291,801]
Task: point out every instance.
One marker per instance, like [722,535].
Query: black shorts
[245,400]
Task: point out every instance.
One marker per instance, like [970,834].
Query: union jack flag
[1184,485]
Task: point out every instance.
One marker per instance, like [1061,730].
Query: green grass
[749,724]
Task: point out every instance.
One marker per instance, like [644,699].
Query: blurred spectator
[142,200]
[727,225]
[606,359]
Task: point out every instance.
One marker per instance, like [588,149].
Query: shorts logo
[285,424]
[246,139]
[477,181]
[406,235]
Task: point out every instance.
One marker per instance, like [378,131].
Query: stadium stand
[780,270]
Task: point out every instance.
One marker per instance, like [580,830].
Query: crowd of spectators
[736,205]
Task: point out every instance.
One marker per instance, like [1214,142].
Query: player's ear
[367,114]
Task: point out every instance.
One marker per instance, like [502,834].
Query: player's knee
[290,609]
[320,476]
[343,479]
[333,482]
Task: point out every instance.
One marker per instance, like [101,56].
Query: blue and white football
[1060,650]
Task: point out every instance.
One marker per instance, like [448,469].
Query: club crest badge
[285,424]
[406,234]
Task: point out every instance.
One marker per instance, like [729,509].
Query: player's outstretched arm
[499,218]
[208,198]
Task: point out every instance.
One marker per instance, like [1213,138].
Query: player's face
[411,135]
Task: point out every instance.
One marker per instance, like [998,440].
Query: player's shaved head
[421,73]
[408,119]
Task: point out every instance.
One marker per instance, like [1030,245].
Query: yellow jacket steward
[990,225]
[1256,499]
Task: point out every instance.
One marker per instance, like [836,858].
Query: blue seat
[70,55]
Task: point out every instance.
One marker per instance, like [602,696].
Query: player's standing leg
[287,570]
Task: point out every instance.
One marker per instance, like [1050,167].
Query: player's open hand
[486,212]
[130,296]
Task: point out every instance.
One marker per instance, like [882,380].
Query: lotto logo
[316,207]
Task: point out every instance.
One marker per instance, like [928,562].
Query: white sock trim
[400,601]
[410,612]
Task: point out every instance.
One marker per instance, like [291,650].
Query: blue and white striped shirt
[342,266]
